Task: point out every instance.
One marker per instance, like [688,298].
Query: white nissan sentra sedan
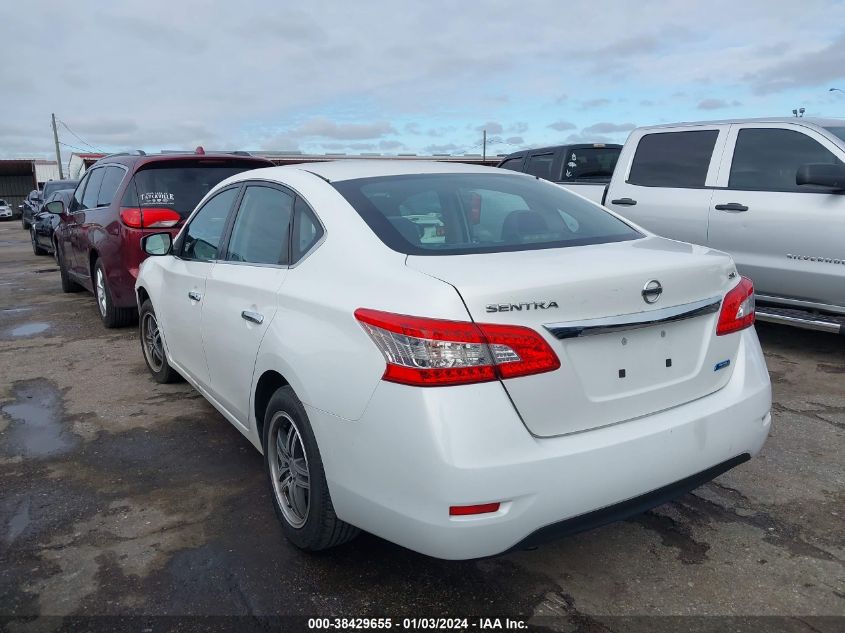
[461,360]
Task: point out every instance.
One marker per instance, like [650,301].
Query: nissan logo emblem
[652,291]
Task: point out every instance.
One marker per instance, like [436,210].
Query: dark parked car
[119,200]
[41,233]
[583,165]
[33,207]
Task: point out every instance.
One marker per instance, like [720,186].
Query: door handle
[253,317]
[193,295]
[731,206]
[626,201]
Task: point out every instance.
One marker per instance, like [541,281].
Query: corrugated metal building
[45,170]
[17,179]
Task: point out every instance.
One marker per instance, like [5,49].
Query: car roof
[335,171]
[810,121]
[131,159]
[552,148]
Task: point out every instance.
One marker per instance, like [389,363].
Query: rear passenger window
[92,189]
[673,159]
[514,164]
[540,165]
[307,230]
[768,159]
[202,237]
[261,230]
[111,181]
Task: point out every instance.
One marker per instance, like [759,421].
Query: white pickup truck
[771,192]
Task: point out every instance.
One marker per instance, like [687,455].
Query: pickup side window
[767,159]
[540,165]
[673,159]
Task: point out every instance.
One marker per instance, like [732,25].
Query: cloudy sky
[396,77]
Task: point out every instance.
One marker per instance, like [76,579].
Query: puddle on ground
[29,329]
[14,310]
[36,421]
[19,522]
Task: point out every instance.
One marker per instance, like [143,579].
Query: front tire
[111,315]
[297,478]
[38,250]
[153,347]
[24,223]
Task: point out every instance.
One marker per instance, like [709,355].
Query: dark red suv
[121,198]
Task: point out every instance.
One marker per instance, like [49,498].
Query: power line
[74,147]
[84,142]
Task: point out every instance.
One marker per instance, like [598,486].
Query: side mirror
[822,175]
[56,207]
[157,243]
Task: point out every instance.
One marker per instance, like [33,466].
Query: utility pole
[483,151]
[58,153]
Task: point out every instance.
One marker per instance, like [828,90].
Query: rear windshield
[51,186]
[454,214]
[179,185]
[593,164]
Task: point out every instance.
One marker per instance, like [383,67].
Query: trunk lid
[607,375]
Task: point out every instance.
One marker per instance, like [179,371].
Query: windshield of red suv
[180,185]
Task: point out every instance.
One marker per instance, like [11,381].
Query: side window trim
[223,251]
[179,246]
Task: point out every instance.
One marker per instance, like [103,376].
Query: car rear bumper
[415,452]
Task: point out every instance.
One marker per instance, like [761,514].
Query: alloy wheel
[289,469]
[101,291]
[151,338]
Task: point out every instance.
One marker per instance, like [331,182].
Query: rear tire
[111,315]
[297,478]
[152,346]
[68,285]
[38,250]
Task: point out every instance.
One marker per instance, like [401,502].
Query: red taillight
[481,508]
[435,352]
[131,217]
[149,217]
[737,308]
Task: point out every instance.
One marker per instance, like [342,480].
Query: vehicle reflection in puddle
[29,329]
[36,422]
